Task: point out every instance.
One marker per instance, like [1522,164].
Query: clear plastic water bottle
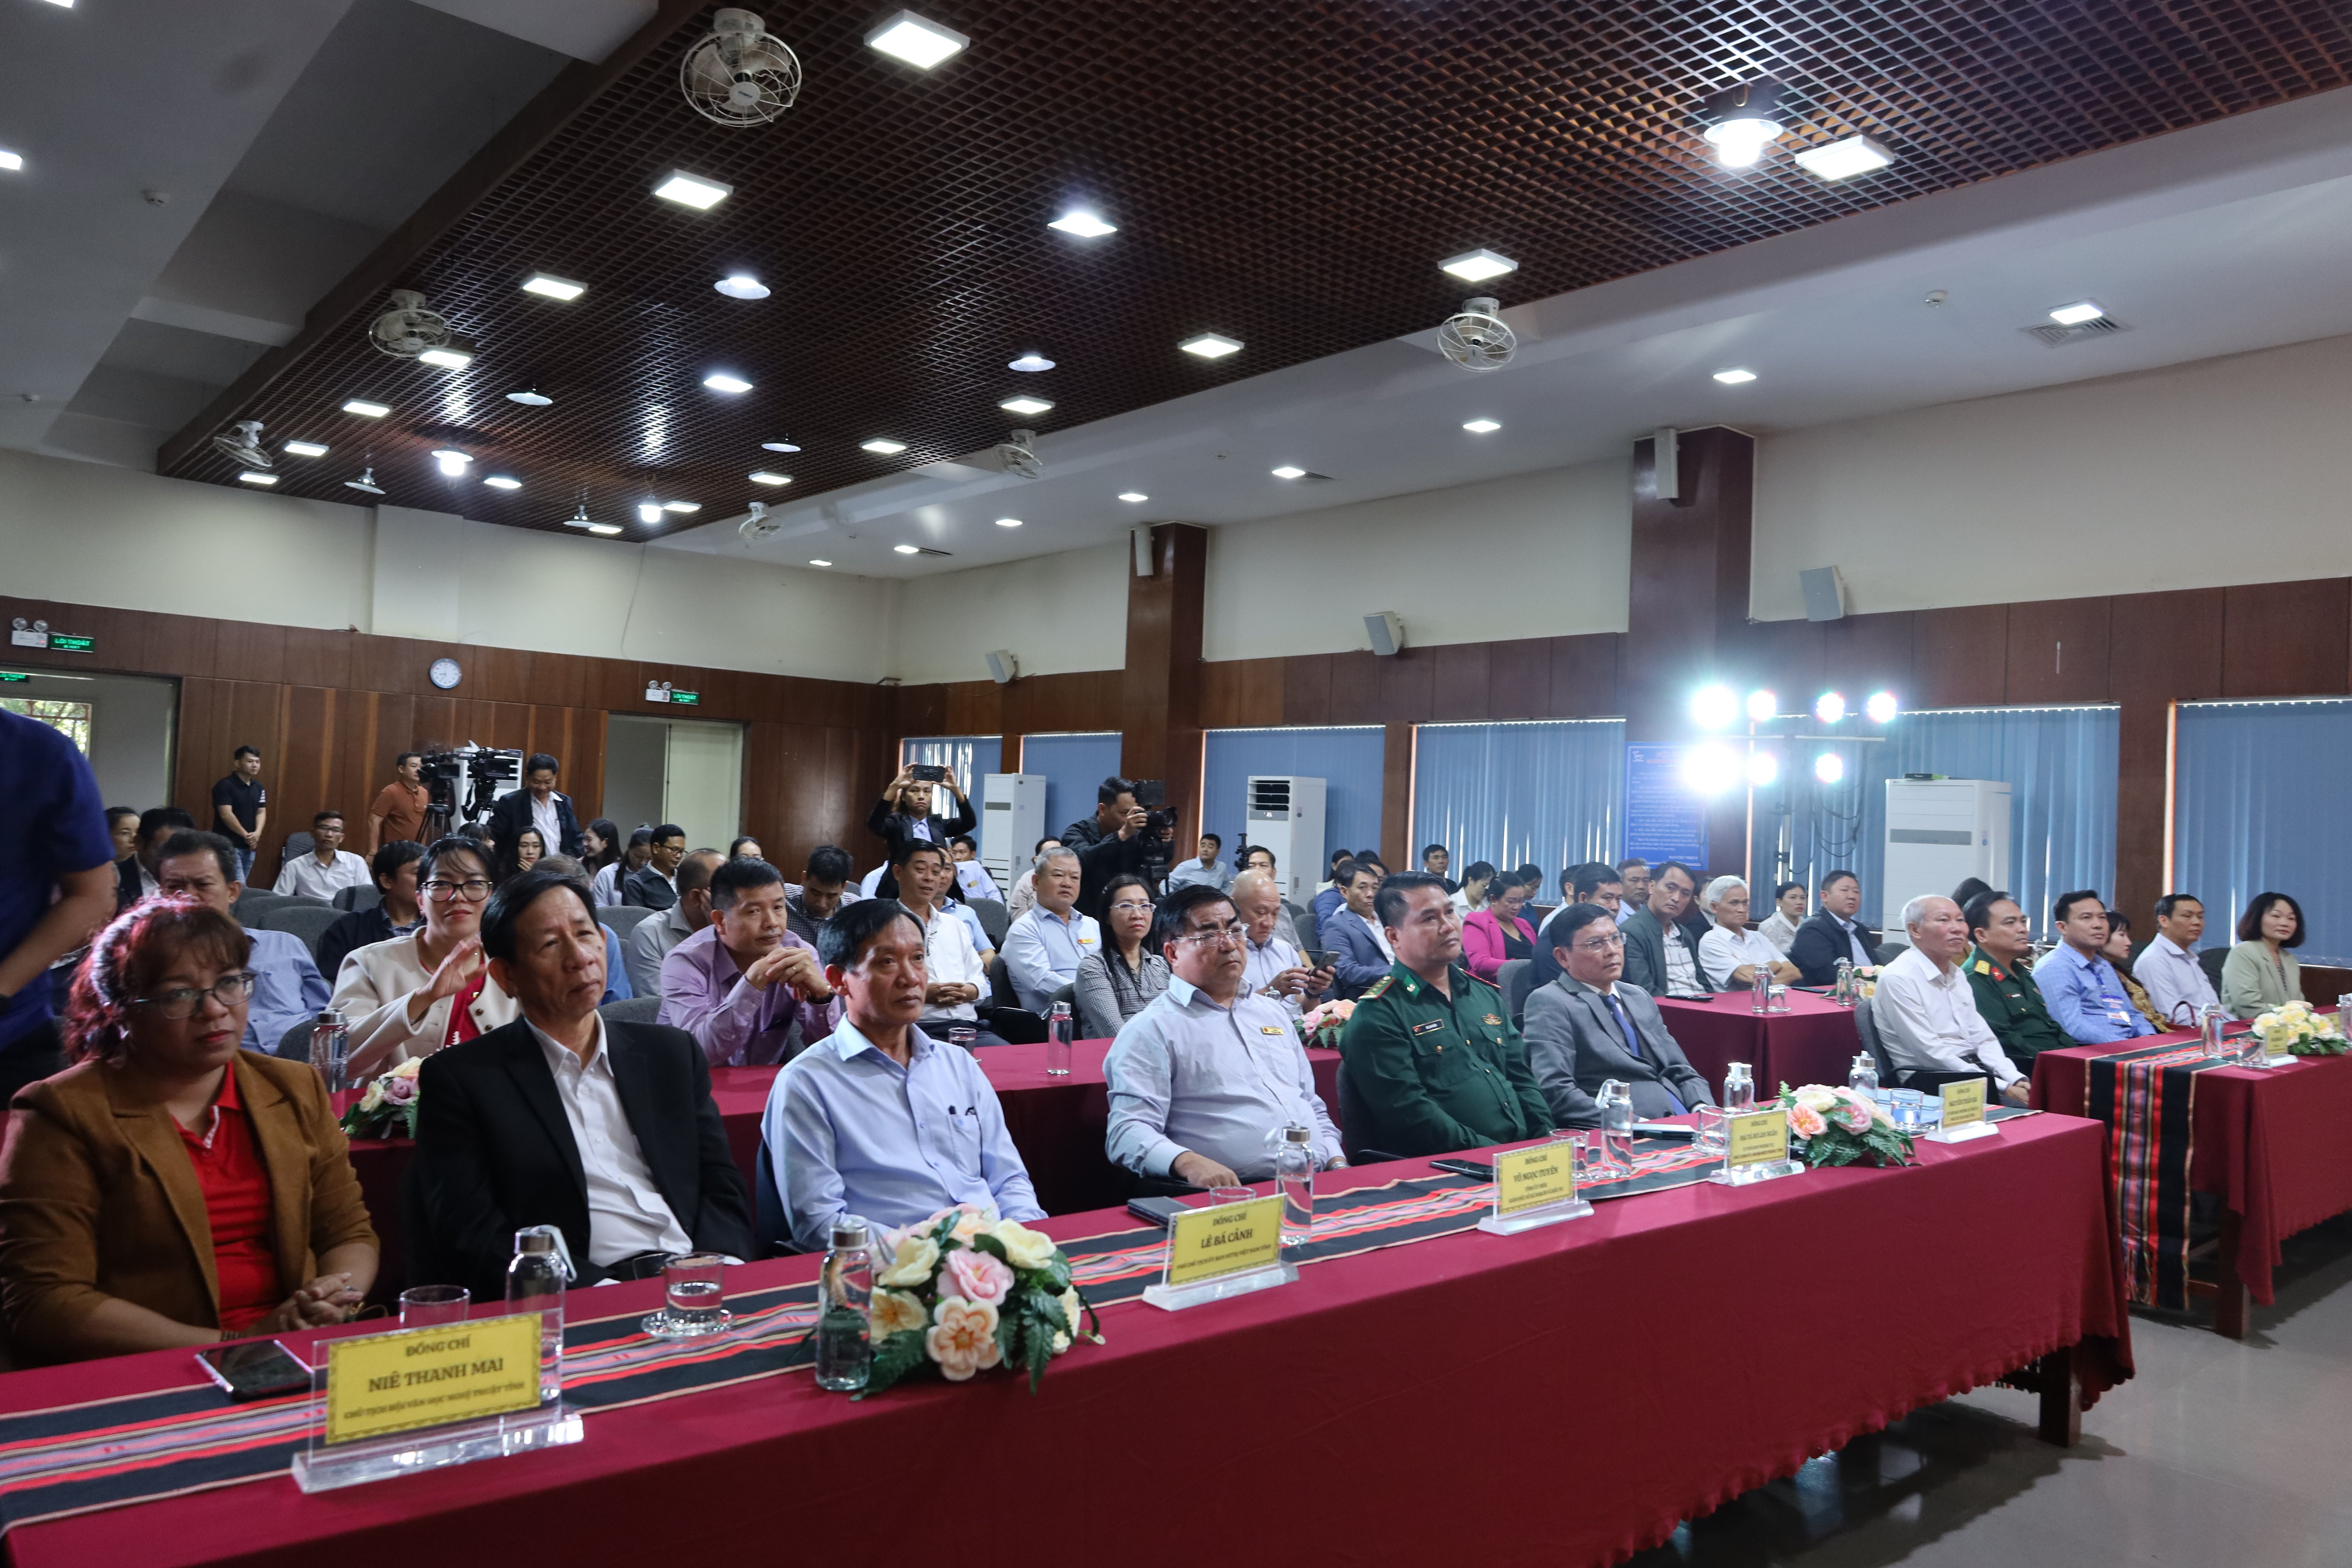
[1616,1104]
[845,1325]
[1739,1088]
[535,1283]
[1293,1177]
[1060,1029]
[1760,990]
[330,1047]
[1842,992]
[1864,1077]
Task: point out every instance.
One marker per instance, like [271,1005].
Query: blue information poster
[1665,817]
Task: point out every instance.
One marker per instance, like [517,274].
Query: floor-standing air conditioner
[1285,815]
[1939,833]
[1011,820]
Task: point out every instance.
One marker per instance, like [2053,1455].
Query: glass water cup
[964,1034]
[694,1296]
[1712,1141]
[428,1306]
[1222,1196]
[1908,1107]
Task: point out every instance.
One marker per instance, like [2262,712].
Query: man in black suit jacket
[1590,1025]
[655,883]
[1833,931]
[563,1117]
[135,877]
[510,814]
[1659,922]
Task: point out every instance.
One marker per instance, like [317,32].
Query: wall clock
[446,673]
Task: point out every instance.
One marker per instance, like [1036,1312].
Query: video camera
[463,782]
[1157,824]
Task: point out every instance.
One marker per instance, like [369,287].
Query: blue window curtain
[1547,792]
[1074,766]
[1347,759]
[2258,803]
[2059,762]
[972,757]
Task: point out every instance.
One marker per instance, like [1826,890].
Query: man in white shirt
[1272,966]
[1044,948]
[1729,950]
[2168,970]
[970,874]
[1634,886]
[327,869]
[1926,1014]
[958,979]
[1209,1069]
[651,938]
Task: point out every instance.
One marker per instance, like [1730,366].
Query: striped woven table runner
[2147,1097]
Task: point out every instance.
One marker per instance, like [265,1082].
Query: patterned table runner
[2147,1097]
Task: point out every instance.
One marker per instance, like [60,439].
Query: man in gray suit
[1588,1025]
[1661,954]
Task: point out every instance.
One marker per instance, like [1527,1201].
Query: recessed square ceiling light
[1735,376]
[882,446]
[303,449]
[1131,496]
[1481,426]
[551,288]
[446,359]
[1478,266]
[907,548]
[502,482]
[1844,160]
[741,286]
[719,380]
[1210,345]
[1008,523]
[815,561]
[918,41]
[681,506]
[649,512]
[1288,473]
[1024,405]
[1030,362]
[2076,314]
[366,410]
[764,477]
[252,477]
[1085,225]
[605,528]
[692,191]
[11,160]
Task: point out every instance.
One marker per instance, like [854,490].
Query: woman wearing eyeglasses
[1114,984]
[412,996]
[169,1188]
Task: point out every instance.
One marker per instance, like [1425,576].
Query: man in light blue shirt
[1044,948]
[287,988]
[878,1119]
[2168,967]
[1204,870]
[1272,965]
[2081,990]
[1202,1078]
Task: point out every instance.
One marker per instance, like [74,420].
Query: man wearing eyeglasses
[1203,1080]
[286,987]
[1590,1025]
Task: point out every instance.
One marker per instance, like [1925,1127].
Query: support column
[1687,611]
[1160,728]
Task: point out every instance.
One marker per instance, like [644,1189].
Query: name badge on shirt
[1433,1024]
[1270,1029]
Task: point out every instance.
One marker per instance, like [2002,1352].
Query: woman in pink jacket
[1495,935]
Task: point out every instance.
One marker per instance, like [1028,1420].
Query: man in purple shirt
[739,984]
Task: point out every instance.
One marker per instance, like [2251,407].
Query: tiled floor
[2218,1454]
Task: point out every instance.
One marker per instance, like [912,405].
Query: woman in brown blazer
[170,1188]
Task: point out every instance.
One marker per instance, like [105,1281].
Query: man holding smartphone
[1109,844]
[904,816]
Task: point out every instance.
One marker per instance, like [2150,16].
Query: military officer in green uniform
[1429,1062]
[2006,995]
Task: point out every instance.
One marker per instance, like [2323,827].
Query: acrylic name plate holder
[1231,1249]
[1964,1114]
[416,1399]
[1535,1186]
[1756,1148]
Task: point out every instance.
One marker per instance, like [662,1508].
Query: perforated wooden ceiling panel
[1287,174]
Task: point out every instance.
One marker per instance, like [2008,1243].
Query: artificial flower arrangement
[1323,1023]
[1839,1126]
[961,1292]
[2302,1031]
[388,1109]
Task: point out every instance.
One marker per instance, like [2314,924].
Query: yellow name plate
[1964,1103]
[2275,1047]
[1755,1138]
[1209,1244]
[1535,1178]
[381,1383]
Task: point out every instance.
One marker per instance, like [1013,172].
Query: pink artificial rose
[975,1276]
[1854,1118]
[962,1338]
[1806,1122]
[399,1090]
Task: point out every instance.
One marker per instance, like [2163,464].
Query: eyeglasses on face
[1216,936]
[1602,943]
[1131,906]
[182,1001]
[473,890]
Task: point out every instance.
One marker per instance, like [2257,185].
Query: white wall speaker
[1824,594]
[1000,667]
[1387,632]
[1666,463]
[1142,539]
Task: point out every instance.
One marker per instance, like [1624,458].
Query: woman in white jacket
[410,996]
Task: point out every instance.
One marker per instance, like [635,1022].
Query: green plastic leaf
[899,1354]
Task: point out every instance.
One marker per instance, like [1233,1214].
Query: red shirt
[237,1204]
[462,1027]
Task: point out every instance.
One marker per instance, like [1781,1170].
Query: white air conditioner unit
[1939,833]
[1012,819]
[1285,815]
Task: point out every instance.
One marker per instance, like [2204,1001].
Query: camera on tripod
[462,784]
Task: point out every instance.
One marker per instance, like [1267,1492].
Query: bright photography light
[1881,708]
[1829,767]
[453,462]
[1711,769]
[1763,769]
[1830,709]
[1762,706]
[1714,707]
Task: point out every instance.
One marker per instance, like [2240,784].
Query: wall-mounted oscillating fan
[409,327]
[758,525]
[741,73]
[242,441]
[1476,339]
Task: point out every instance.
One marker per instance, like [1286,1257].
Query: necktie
[1633,1044]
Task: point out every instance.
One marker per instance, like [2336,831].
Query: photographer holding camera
[903,816]
[1121,839]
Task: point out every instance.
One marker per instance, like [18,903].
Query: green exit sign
[8,676]
[687,698]
[60,643]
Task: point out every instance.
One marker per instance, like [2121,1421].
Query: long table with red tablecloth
[1813,1041]
[1561,1396]
[2270,1143]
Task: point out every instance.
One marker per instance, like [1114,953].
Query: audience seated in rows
[408,997]
[1043,947]
[393,869]
[613,870]
[2003,984]
[286,987]
[1780,927]
[1834,932]
[1926,1014]
[2117,952]
[2260,973]
[1272,964]
[2077,983]
[957,984]
[1731,952]
[1497,933]
[1352,934]
[744,987]
[651,940]
[1634,878]
[825,883]
[1119,979]
[1662,956]
[1470,894]
[1590,1025]
[327,869]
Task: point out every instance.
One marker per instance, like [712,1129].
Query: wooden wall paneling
[251,650]
[2286,639]
[1518,679]
[2164,648]
[562,681]
[1306,688]
[497,675]
[1459,676]
[1863,653]
[1408,686]
[2058,650]
[1355,688]
[1159,689]
[1220,693]
[979,708]
[1687,606]
[316,658]
[1261,681]
[1959,657]
[1584,675]
[200,751]
[1396,797]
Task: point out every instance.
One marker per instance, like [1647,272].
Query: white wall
[2218,471]
[1056,614]
[1542,554]
[132,722]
